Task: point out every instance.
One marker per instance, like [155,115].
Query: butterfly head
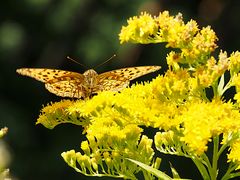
[90,73]
[90,77]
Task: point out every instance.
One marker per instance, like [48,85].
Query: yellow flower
[51,113]
[234,154]
[202,121]
[139,29]
[164,138]
[85,147]
[237,97]
[175,104]
[173,60]
[53,107]
[70,157]
[234,66]
[205,40]
[174,31]
[210,72]
[57,113]
[236,81]
[87,107]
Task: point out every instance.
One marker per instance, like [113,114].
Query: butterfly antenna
[69,58]
[106,61]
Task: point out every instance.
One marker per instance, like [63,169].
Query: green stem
[233,175]
[229,174]
[223,147]
[206,161]
[200,165]
[226,87]
[147,176]
[213,171]
[204,95]
[215,90]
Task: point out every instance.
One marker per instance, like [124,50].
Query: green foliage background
[41,33]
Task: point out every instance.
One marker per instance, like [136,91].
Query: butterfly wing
[118,79]
[72,88]
[111,82]
[59,82]
[48,75]
[72,84]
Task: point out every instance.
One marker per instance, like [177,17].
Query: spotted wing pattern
[72,84]
[118,79]
[48,75]
[67,88]
[59,82]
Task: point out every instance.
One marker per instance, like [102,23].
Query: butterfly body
[76,85]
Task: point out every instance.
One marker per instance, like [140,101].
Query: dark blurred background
[41,33]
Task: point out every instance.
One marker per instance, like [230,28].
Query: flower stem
[201,165]
[213,171]
[229,173]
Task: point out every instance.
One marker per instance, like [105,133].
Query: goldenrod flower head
[146,143]
[173,59]
[139,28]
[205,41]
[85,160]
[210,72]
[85,147]
[89,107]
[164,138]
[111,153]
[175,104]
[174,86]
[195,44]
[58,113]
[50,114]
[237,97]
[234,59]
[234,155]
[200,46]
[202,121]
[174,31]
[236,81]
[54,107]
[69,157]
[94,164]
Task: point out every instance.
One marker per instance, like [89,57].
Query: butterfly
[76,85]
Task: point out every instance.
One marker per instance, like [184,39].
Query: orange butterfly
[76,85]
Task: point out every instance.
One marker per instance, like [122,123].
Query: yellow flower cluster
[210,72]
[56,113]
[236,83]
[203,121]
[139,29]
[158,104]
[234,66]
[195,44]
[107,156]
[175,104]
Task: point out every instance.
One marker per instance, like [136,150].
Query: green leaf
[151,170]
[174,172]
[221,85]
